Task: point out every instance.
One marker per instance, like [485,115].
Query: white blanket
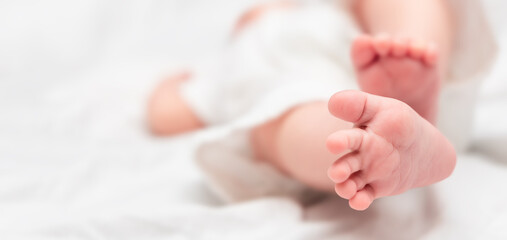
[77,163]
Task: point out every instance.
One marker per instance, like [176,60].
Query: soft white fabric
[287,57]
[77,163]
[473,54]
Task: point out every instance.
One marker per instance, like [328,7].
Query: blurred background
[76,161]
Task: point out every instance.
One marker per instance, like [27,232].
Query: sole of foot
[390,150]
[399,68]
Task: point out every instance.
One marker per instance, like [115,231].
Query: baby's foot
[399,68]
[390,150]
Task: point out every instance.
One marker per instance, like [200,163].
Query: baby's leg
[408,57]
[168,113]
[296,143]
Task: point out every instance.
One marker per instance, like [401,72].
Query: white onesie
[296,55]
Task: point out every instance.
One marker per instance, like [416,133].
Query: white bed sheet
[76,162]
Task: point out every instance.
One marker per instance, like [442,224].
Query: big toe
[346,189]
[354,106]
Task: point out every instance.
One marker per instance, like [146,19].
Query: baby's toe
[339,172]
[349,139]
[417,49]
[431,55]
[349,188]
[363,199]
[346,189]
[400,47]
[382,44]
[344,167]
[362,51]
